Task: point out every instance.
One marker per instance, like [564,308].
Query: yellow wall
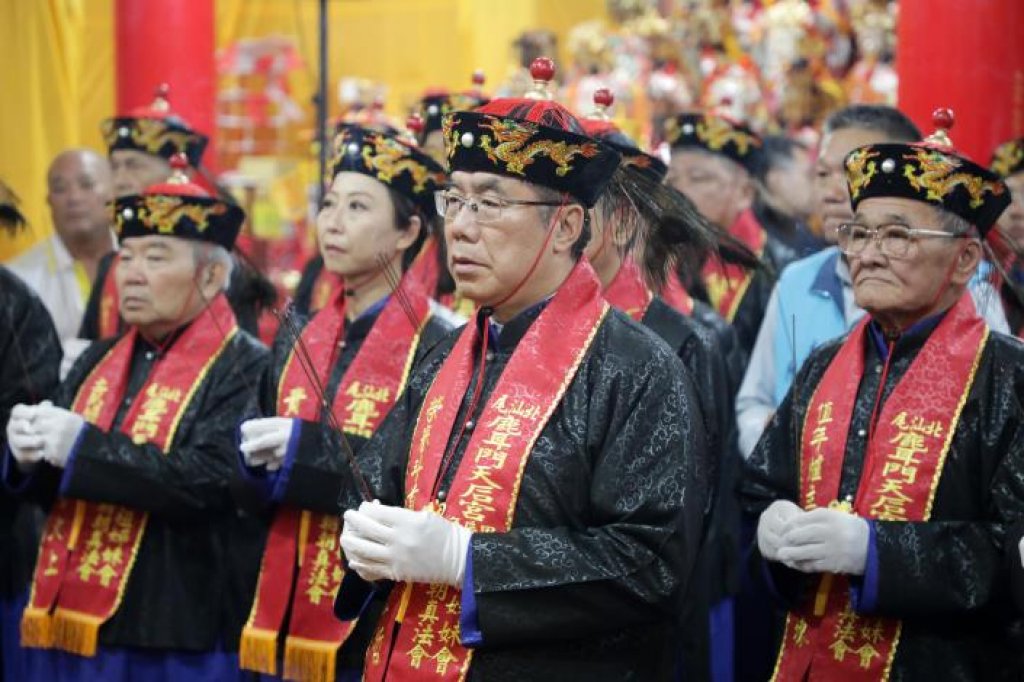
[57,73]
[57,83]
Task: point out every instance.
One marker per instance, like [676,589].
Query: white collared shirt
[60,282]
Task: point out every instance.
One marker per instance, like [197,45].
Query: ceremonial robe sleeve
[1015,564]
[29,346]
[32,353]
[627,562]
[194,476]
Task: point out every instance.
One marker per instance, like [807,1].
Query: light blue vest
[810,298]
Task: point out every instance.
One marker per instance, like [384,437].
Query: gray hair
[953,223]
[892,123]
[206,253]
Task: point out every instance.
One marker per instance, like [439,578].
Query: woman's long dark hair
[405,210]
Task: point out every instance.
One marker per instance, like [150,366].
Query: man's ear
[214,278]
[569,227]
[967,261]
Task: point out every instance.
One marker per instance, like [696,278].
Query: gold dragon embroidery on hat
[163,213]
[716,133]
[672,130]
[515,150]
[450,134]
[933,173]
[388,158]
[149,134]
[1008,157]
[860,169]
[636,160]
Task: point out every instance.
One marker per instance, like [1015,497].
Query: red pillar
[168,41]
[968,56]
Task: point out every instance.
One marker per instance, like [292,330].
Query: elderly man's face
[719,188]
[134,171]
[916,285]
[159,284]
[79,191]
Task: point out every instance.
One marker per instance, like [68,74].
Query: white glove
[265,441]
[826,541]
[392,543]
[25,443]
[59,429]
[771,524]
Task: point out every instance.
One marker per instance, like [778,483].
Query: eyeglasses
[485,210]
[894,240]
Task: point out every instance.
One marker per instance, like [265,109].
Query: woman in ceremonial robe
[342,369]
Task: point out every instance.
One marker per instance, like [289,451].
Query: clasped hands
[42,433]
[383,542]
[817,541]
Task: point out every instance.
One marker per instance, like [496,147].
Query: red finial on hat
[179,162]
[542,70]
[943,120]
[479,78]
[179,183]
[603,98]
[161,100]
[414,123]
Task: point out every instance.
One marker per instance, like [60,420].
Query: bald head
[79,191]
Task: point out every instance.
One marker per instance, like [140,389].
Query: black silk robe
[947,578]
[613,495]
[715,575]
[31,355]
[179,593]
[728,344]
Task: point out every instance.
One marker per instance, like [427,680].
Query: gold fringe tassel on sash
[309,660]
[257,651]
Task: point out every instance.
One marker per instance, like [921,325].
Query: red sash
[628,292]
[109,323]
[727,283]
[676,295]
[88,549]
[426,642]
[308,540]
[826,639]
